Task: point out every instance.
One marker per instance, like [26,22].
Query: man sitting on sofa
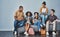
[19,19]
[51,20]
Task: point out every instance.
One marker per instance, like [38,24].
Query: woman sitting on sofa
[36,22]
[28,21]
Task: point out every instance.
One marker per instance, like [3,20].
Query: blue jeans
[18,24]
[15,25]
[44,18]
[38,24]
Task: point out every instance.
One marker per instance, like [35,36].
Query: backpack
[43,30]
[31,31]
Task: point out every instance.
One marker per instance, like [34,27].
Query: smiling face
[43,5]
[51,13]
[28,14]
[36,14]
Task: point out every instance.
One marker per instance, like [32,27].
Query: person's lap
[44,17]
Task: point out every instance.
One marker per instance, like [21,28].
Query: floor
[10,34]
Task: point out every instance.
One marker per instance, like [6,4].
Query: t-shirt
[36,20]
[43,10]
[19,15]
[28,19]
[51,18]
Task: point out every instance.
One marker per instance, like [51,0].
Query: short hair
[28,12]
[35,13]
[53,10]
[20,7]
[44,3]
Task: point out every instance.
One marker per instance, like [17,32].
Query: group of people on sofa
[39,20]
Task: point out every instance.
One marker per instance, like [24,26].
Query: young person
[36,22]
[28,21]
[44,12]
[51,20]
[19,18]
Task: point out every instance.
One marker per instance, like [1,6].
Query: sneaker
[43,24]
[25,33]
[47,33]
[53,33]
[15,32]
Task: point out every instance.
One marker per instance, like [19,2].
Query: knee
[46,16]
[42,15]
[47,22]
[54,22]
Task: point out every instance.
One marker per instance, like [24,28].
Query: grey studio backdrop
[8,8]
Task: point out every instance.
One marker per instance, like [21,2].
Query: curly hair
[28,12]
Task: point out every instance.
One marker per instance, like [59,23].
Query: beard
[21,10]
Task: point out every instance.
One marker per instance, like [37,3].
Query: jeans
[44,18]
[37,25]
[48,23]
[18,24]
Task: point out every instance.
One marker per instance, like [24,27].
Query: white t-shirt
[43,10]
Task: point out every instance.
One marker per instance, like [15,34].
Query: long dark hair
[37,14]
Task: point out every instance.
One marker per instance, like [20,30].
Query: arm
[55,18]
[40,10]
[21,17]
[46,10]
[33,21]
[47,18]
[23,14]
[15,15]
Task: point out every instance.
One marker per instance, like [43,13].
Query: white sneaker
[25,33]
[15,32]
[47,33]
[41,25]
[44,24]
[53,33]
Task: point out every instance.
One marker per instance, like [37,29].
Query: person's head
[52,12]
[36,14]
[28,13]
[21,8]
[44,4]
